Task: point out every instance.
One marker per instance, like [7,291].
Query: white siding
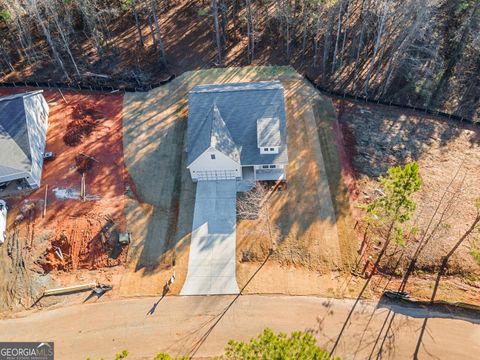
[3,221]
[222,164]
[36,112]
[269,150]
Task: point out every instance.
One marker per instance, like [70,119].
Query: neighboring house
[237,131]
[23,130]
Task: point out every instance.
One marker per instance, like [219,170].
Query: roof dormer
[268,135]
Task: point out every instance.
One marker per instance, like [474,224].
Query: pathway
[211,263]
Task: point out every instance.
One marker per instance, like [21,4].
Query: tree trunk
[6,59]
[153,5]
[360,41]
[454,57]
[224,20]
[217,31]
[152,32]
[65,41]
[305,28]
[137,23]
[377,44]
[48,38]
[339,28]
[250,32]
[344,35]
[317,36]
[326,47]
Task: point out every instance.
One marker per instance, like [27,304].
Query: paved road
[178,325]
[211,262]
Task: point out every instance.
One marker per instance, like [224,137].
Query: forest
[423,53]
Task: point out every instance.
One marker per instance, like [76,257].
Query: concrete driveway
[211,263]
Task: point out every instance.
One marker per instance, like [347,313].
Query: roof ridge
[218,142]
[20,95]
[238,86]
[223,123]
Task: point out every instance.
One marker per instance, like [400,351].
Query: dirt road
[146,326]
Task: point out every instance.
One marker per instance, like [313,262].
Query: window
[212,156]
[265,166]
[272,149]
[272,166]
[265,149]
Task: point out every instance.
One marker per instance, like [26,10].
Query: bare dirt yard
[313,230]
[448,153]
[74,234]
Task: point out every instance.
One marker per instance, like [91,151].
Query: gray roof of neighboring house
[226,115]
[15,147]
[268,132]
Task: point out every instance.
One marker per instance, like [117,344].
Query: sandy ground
[154,142]
[201,326]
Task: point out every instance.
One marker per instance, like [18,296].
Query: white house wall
[221,163]
[36,112]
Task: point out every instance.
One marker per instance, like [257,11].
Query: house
[237,131]
[23,130]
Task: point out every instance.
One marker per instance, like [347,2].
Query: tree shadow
[165,290]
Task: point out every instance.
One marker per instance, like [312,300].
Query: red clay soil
[80,234]
[85,120]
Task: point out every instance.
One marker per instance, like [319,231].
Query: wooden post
[84,186]
[69,289]
[45,201]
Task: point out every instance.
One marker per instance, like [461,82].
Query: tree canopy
[298,346]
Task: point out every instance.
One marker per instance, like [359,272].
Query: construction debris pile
[87,244]
[83,163]
[85,120]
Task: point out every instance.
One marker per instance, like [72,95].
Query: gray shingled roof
[14,144]
[239,106]
[221,139]
[15,147]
